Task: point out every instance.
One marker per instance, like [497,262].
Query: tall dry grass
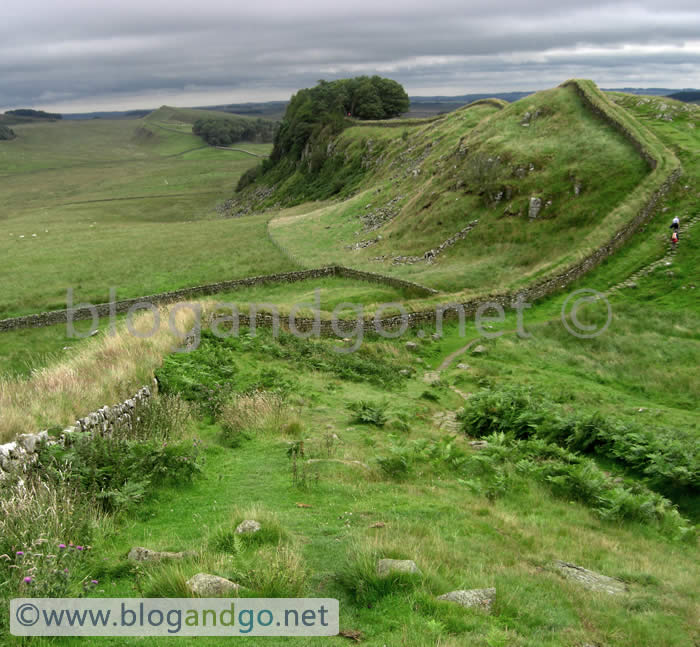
[103,371]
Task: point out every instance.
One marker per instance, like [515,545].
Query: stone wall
[16,454]
[119,307]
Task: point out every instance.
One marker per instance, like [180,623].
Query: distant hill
[34,114]
[27,115]
[113,114]
[688,96]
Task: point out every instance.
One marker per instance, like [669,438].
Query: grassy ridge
[440,179]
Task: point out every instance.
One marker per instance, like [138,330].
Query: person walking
[675,225]
[674,237]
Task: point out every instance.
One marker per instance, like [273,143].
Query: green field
[593,445]
[124,204]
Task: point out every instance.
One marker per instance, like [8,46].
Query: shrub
[116,471]
[369,413]
[669,461]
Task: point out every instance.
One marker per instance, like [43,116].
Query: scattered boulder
[140,554]
[207,586]
[431,377]
[590,579]
[248,526]
[479,444]
[411,345]
[479,350]
[463,367]
[388,566]
[480,598]
[535,207]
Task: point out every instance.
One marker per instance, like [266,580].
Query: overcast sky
[83,55]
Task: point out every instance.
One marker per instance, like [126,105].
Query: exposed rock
[463,367]
[535,207]
[388,566]
[140,554]
[479,350]
[405,372]
[590,579]
[248,526]
[29,442]
[411,345]
[481,598]
[479,444]
[431,377]
[206,586]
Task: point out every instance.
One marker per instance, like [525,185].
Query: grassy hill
[409,189]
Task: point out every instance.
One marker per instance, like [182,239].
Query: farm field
[122,204]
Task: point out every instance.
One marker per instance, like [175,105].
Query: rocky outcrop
[141,554]
[479,598]
[389,566]
[590,579]
[206,585]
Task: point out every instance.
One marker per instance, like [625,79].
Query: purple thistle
[79,548]
[61,545]
[28,579]
[95,582]
[19,553]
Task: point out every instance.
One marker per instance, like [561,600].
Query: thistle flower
[61,545]
[28,579]
[19,553]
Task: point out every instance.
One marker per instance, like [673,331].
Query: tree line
[218,131]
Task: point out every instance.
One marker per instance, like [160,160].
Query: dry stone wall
[119,307]
[22,451]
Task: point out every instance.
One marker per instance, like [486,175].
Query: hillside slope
[537,185]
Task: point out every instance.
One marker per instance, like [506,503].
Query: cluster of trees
[34,114]
[6,133]
[325,106]
[218,131]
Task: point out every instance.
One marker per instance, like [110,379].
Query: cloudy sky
[82,55]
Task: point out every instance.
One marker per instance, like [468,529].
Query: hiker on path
[675,225]
[674,238]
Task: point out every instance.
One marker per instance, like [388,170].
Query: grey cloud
[77,52]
